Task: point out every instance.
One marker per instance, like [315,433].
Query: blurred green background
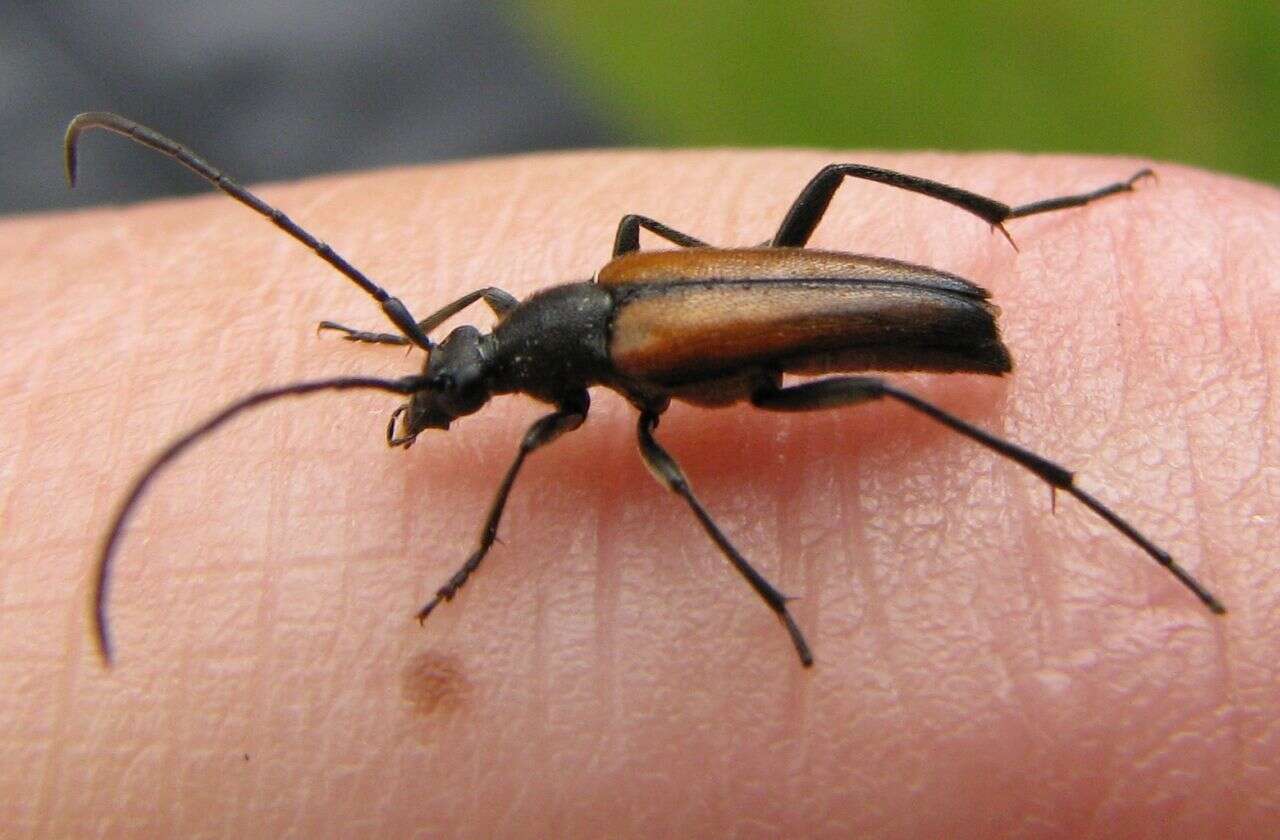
[1197,82]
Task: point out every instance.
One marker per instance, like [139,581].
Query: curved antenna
[403,385]
[394,309]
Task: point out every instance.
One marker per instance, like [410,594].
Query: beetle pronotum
[709,326]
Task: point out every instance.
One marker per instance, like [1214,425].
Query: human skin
[985,667]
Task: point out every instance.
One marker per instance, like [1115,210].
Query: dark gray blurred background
[269,91]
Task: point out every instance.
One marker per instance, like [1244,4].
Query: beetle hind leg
[667,471]
[363,336]
[812,202]
[847,390]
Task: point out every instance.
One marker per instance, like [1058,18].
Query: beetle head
[457,385]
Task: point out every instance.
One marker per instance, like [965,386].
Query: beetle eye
[443,382]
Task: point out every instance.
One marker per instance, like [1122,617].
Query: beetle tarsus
[426,611]
[363,336]
[446,592]
[1080,199]
[797,638]
[1140,174]
[1154,551]
[1206,597]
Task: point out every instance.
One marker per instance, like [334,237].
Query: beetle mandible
[709,326]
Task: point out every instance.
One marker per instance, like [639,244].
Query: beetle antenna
[403,385]
[394,309]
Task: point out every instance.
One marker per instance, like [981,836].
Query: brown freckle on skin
[434,684]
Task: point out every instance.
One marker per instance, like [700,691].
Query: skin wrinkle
[1222,644]
[539,674]
[269,575]
[792,553]
[1182,424]
[1202,542]
[1252,339]
[1214,323]
[1124,388]
[1270,418]
[877,623]
[1099,819]
[855,541]
[51,771]
[1114,424]
[608,599]
[1120,780]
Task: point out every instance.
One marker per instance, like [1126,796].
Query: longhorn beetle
[709,326]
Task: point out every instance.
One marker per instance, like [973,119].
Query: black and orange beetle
[709,326]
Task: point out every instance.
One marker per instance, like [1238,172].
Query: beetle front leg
[541,433]
[627,238]
[667,471]
[363,336]
[499,301]
[808,208]
[847,390]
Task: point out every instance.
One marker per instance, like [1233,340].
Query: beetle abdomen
[681,332]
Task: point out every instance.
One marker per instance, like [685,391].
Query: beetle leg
[541,433]
[499,301]
[846,390]
[363,336]
[667,471]
[807,210]
[627,238]
[1081,199]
